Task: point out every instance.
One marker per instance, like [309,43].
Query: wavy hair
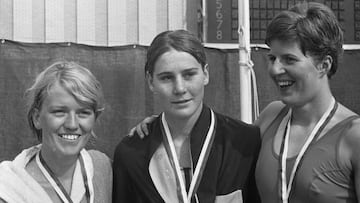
[75,79]
[314,26]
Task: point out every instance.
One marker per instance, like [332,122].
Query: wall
[94,22]
[120,70]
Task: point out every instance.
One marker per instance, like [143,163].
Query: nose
[276,67]
[179,86]
[71,122]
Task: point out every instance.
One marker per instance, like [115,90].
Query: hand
[141,128]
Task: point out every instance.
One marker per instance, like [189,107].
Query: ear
[206,74]
[149,80]
[325,65]
[36,119]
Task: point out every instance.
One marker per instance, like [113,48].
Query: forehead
[57,94]
[175,60]
[278,47]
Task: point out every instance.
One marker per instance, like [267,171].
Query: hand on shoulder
[142,127]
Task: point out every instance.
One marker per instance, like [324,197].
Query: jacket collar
[197,135]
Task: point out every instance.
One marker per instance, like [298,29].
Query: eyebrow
[283,55]
[289,55]
[164,73]
[185,70]
[194,68]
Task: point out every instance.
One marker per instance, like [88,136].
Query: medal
[320,125]
[200,166]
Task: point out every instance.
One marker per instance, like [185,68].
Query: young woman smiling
[65,101]
[310,142]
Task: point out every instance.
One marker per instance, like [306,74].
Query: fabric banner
[128,99]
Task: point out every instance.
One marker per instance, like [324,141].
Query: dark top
[322,176]
[230,166]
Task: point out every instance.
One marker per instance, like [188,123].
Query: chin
[288,102]
[74,148]
[293,102]
[182,114]
[71,151]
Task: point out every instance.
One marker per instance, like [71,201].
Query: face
[66,125]
[179,80]
[296,76]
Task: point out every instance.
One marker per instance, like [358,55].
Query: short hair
[179,40]
[314,26]
[75,79]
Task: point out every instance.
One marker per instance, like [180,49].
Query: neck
[62,166]
[181,127]
[312,111]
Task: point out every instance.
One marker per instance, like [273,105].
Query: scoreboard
[222,18]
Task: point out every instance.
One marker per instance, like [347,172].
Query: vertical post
[244,61]
[204,20]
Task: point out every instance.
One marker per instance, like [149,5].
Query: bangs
[84,92]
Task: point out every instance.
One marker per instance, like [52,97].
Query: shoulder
[236,130]
[269,114]
[99,158]
[231,124]
[102,167]
[352,130]
[96,154]
[349,149]
[137,143]
[132,144]
[132,149]
[351,136]
[103,175]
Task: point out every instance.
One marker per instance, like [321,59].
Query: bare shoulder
[268,115]
[352,134]
[350,143]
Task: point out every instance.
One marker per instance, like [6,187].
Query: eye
[189,75]
[271,58]
[165,78]
[290,60]
[85,113]
[58,112]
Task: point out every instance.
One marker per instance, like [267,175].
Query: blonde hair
[74,78]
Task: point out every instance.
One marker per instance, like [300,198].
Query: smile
[285,83]
[69,136]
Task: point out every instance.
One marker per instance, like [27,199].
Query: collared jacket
[228,175]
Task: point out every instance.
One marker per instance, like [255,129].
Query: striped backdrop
[94,22]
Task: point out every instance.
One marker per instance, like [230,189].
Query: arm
[103,176]
[350,151]
[238,161]
[142,128]
[122,186]
[252,190]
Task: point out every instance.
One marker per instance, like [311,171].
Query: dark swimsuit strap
[277,120]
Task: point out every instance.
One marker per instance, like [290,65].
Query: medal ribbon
[320,125]
[84,174]
[55,182]
[204,154]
